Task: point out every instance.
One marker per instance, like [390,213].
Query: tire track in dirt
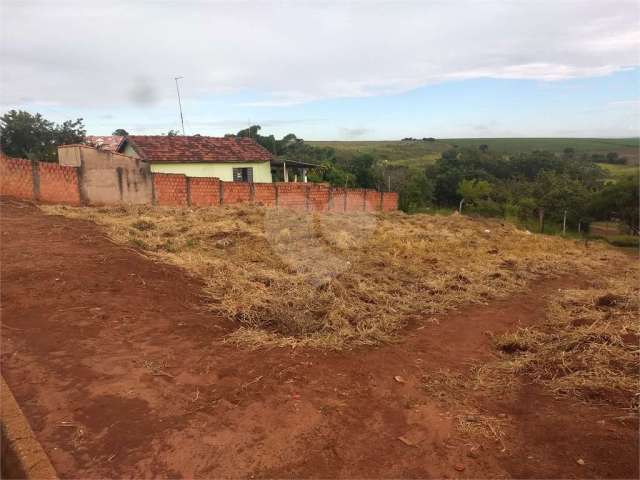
[121,372]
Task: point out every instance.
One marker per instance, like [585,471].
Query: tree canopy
[33,136]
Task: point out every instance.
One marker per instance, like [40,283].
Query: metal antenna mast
[180,103]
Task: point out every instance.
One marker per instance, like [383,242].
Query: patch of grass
[589,346]
[143,225]
[410,154]
[624,241]
[336,280]
[617,171]
[625,146]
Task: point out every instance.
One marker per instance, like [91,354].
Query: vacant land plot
[124,367]
[340,280]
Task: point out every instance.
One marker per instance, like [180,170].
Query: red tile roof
[112,143]
[198,149]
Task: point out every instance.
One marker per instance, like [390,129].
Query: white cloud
[96,53]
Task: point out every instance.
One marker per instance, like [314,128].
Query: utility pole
[180,103]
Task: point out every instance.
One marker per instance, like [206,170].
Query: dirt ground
[122,373]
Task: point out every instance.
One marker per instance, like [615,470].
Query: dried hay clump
[589,346]
[335,280]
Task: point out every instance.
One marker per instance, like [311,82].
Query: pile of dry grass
[336,280]
[589,346]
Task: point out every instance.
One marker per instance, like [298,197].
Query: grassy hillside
[624,146]
[422,153]
[394,152]
[620,170]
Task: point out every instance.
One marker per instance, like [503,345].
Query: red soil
[121,373]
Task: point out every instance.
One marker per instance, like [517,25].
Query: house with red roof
[231,159]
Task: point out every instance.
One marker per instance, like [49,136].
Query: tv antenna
[179,103]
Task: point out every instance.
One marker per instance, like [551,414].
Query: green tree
[557,195]
[474,191]
[416,193]
[619,200]
[362,168]
[120,132]
[32,136]
[173,133]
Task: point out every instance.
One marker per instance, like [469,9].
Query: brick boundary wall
[170,189]
[51,182]
[58,184]
[355,200]
[43,181]
[16,177]
[318,198]
[265,194]
[389,201]
[236,192]
[203,191]
[337,199]
[372,200]
[292,195]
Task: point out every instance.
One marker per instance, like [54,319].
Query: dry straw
[336,280]
[589,346]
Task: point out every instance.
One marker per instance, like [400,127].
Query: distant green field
[624,146]
[419,154]
[620,170]
[395,152]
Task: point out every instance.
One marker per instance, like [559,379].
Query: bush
[624,241]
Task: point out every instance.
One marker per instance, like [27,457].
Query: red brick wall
[204,192]
[58,184]
[265,194]
[355,199]
[292,195]
[170,189]
[338,196]
[15,177]
[235,192]
[371,200]
[318,197]
[389,201]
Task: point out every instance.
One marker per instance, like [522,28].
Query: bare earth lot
[122,373]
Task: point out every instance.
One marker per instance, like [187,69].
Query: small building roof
[197,149]
[112,143]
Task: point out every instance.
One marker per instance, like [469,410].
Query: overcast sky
[328,70]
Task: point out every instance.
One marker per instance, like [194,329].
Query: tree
[173,133]
[120,132]
[619,200]
[473,191]
[362,168]
[69,132]
[251,132]
[559,195]
[484,148]
[417,191]
[32,136]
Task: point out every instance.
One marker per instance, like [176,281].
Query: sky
[328,70]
